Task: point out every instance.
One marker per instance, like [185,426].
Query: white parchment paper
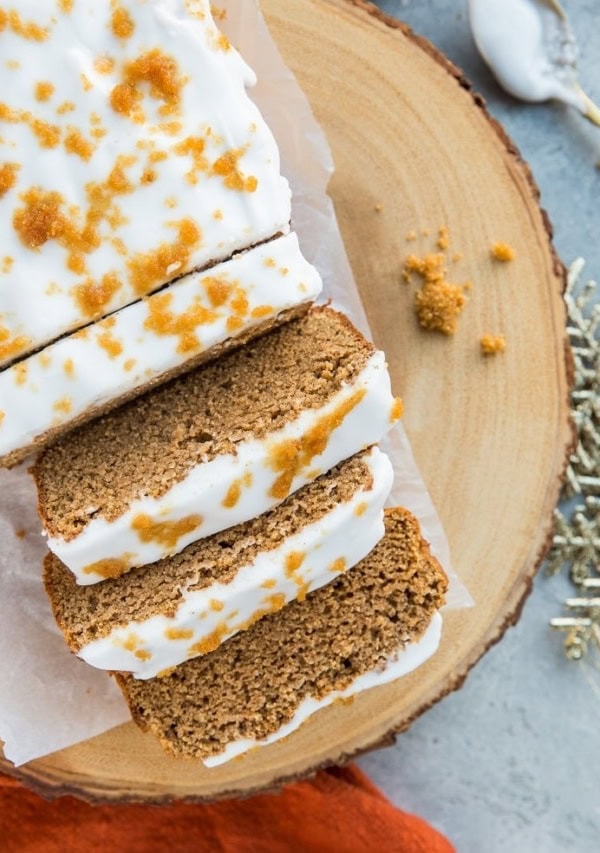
[48,698]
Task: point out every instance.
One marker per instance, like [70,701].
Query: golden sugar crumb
[218,290]
[438,303]
[171,202]
[275,602]
[31,31]
[227,167]
[7,263]
[8,177]
[104,64]
[218,13]
[216,605]
[65,107]
[130,642]
[110,568]
[262,311]
[64,405]
[93,297]
[10,347]
[179,633]
[148,176]
[210,642]
[44,359]
[443,241]
[234,324]
[288,458]
[283,271]
[503,252]
[122,23]
[85,82]
[21,534]
[397,410]
[338,565]
[233,495]
[269,584]
[65,6]
[239,302]
[303,590]
[143,654]
[129,364]
[293,561]
[40,220]
[223,42]
[492,344]
[48,135]
[218,215]
[158,156]
[2,416]
[163,321]
[13,64]
[75,143]
[165,533]
[69,368]
[193,146]
[43,90]
[160,72]
[313,473]
[270,262]
[20,371]
[361,509]
[150,269]
[110,345]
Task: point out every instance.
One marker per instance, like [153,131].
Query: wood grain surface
[490,435]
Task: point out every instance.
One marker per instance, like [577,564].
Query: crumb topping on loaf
[114,164]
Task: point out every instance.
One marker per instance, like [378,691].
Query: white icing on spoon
[531,50]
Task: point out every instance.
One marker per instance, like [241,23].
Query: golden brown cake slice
[150,620]
[372,625]
[214,448]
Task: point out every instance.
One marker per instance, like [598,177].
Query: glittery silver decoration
[576,543]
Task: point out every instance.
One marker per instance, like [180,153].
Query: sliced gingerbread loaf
[150,620]
[213,448]
[370,626]
[200,317]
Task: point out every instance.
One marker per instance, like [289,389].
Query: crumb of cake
[426,232]
[492,344]
[378,207]
[443,241]
[8,177]
[438,303]
[457,256]
[338,566]
[121,23]
[43,91]
[468,285]
[21,534]
[503,252]
[411,236]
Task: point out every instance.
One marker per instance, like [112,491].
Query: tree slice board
[491,436]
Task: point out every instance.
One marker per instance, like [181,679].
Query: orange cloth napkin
[339,811]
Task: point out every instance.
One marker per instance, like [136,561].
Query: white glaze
[36,292]
[40,392]
[403,662]
[530,48]
[204,489]
[348,532]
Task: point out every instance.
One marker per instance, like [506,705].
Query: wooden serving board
[490,435]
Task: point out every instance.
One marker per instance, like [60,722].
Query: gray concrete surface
[512,761]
